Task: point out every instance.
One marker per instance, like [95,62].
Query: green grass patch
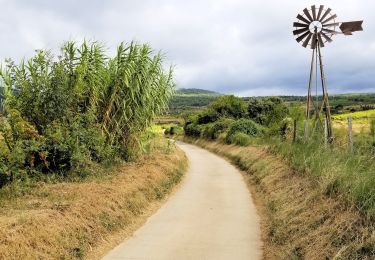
[351,174]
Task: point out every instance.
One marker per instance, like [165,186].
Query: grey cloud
[233,46]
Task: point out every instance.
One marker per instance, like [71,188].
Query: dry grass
[299,219]
[84,220]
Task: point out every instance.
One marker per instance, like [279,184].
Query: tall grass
[335,169]
[63,113]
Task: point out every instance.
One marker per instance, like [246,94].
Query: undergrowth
[339,171]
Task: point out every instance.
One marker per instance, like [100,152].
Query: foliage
[63,113]
[241,139]
[285,128]
[193,130]
[219,127]
[245,126]
[267,111]
[207,116]
[173,130]
[229,106]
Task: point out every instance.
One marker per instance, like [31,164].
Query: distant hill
[195,91]
[195,99]
[187,99]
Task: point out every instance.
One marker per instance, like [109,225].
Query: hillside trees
[231,118]
[267,111]
[83,106]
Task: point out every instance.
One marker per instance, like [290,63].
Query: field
[361,121]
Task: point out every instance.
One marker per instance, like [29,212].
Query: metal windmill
[314,28]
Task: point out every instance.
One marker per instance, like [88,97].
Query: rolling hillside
[191,99]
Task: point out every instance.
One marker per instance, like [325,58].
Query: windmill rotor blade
[325,14]
[300,25]
[313,42]
[306,12]
[321,43]
[301,37]
[329,19]
[299,31]
[331,24]
[330,31]
[326,37]
[303,19]
[307,40]
[313,10]
[348,27]
[320,12]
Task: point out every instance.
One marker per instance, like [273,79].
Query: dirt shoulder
[299,219]
[85,220]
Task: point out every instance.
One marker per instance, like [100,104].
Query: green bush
[283,129]
[193,130]
[212,131]
[173,130]
[64,113]
[207,116]
[207,131]
[241,139]
[245,126]
[267,111]
[229,106]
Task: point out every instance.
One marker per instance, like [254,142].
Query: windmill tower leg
[325,97]
[309,99]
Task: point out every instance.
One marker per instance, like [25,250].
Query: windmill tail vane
[314,28]
[348,28]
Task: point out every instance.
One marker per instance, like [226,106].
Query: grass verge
[83,220]
[300,219]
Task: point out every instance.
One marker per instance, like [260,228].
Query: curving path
[211,216]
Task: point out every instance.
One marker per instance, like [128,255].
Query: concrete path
[211,216]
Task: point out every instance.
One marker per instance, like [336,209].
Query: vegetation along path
[211,217]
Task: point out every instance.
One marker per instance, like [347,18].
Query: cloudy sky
[244,47]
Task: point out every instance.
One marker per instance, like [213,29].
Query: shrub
[220,127]
[245,126]
[207,116]
[207,130]
[229,106]
[241,139]
[267,111]
[173,130]
[193,130]
[285,128]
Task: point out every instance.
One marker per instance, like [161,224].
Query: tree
[229,106]
[267,111]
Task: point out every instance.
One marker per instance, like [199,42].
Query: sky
[241,47]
